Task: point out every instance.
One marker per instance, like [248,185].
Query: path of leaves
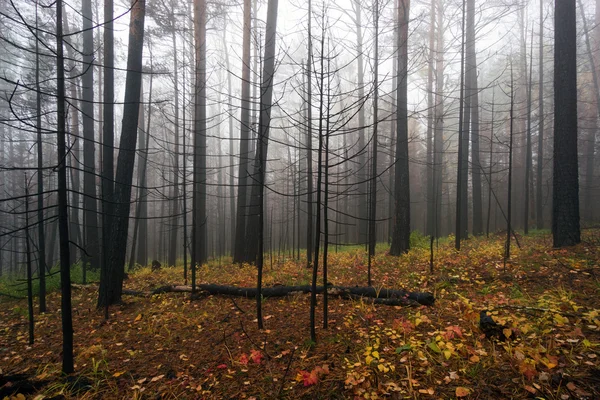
[170,347]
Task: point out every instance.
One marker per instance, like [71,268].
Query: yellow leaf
[368,360]
[474,359]
[118,374]
[462,391]
[507,332]
[375,354]
[382,368]
[156,378]
[138,318]
[447,354]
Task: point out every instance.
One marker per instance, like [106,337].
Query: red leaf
[222,366]
[256,356]
[309,378]
[244,359]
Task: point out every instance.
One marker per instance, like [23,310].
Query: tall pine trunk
[111,277]
[565,193]
[401,235]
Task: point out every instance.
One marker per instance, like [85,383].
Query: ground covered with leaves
[167,346]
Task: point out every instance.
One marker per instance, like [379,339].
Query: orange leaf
[462,391]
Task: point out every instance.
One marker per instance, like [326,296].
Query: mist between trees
[189,131]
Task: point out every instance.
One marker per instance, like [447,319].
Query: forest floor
[166,346]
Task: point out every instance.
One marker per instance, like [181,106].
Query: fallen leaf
[462,391]
[156,378]
[530,389]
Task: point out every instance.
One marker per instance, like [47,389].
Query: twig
[11,296]
[236,306]
[287,370]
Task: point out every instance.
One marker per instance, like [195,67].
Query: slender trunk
[539,211]
[438,136]
[231,146]
[107,144]
[63,219]
[29,268]
[361,175]
[528,143]
[309,161]
[401,236]
[326,187]
[591,136]
[313,296]
[199,216]
[374,139]
[475,159]
[174,231]
[461,150]
[430,122]
[40,178]
[510,169]
[490,176]
[242,211]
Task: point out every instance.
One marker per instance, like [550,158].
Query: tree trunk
[199,216]
[231,148]
[539,210]
[460,171]
[591,136]
[528,144]
[361,175]
[90,210]
[260,161]
[309,171]
[430,122]
[40,179]
[438,135]
[475,159]
[242,211]
[108,139]
[565,194]
[63,219]
[174,230]
[374,139]
[401,236]
[111,277]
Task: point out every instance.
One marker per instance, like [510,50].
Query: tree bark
[401,297]
[63,219]
[539,210]
[199,215]
[260,161]
[430,201]
[438,135]
[111,277]
[565,193]
[40,180]
[90,210]
[401,236]
[460,171]
[242,210]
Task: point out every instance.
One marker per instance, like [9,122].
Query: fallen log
[380,296]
